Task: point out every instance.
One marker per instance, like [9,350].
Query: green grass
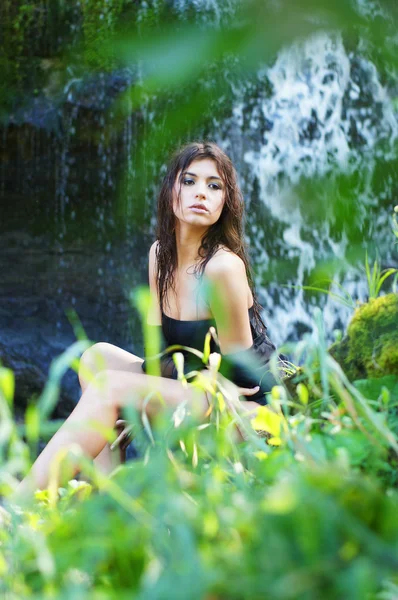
[306,510]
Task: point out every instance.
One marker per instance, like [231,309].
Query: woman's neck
[188,244]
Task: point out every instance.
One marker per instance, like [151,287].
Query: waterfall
[327,111]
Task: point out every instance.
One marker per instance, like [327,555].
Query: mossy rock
[370,346]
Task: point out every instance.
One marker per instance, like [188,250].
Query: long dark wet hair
[228,230]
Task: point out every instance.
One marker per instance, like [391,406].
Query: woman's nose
[201,192]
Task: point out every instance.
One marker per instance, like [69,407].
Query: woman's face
[201,184]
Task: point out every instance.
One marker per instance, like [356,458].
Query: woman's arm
[154,316]
[226,274]
[228,303]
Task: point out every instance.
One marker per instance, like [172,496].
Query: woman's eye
[189,181]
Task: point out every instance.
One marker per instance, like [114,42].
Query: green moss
[16,21]
[99,21]
[370,347]
[30,32]
[34,30]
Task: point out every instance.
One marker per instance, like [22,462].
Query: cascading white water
[306,128]
[213,10]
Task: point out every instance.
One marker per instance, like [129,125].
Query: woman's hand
[248,391]
[229,385]
[125,435]
[248,407]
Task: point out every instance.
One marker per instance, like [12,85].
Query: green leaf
[206,349]
[302,392]
[7,384]
[141,298]
[32,421]
[373,388]
[178,359]
[384,277]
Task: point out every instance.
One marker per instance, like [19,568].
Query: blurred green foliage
[308,510]
[305,510]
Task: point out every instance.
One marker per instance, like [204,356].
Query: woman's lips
[198,210]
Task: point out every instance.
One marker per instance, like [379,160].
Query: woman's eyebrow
[194,175]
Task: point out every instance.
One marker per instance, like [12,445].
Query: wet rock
[30,377]
[40,284]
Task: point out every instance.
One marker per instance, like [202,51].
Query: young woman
[199,243]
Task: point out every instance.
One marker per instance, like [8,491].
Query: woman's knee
[103,356]
[92,361]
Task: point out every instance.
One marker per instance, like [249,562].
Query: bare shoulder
[152,264]
[152,254]
[152,249]
[154,316]
[225,263]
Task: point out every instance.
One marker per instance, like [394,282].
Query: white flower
[214,361]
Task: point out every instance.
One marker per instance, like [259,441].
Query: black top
[240,367]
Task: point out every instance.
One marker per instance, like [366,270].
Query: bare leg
[107,460]
[100,402]
[104,356]
[99,357]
